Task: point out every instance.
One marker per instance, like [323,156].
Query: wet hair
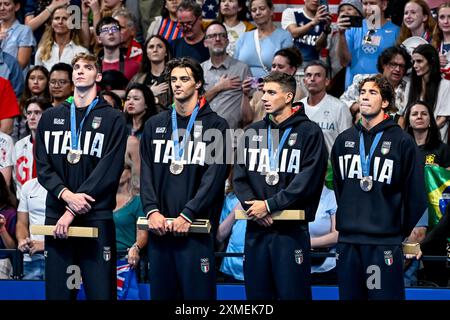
[197,71]
[386,91]
[286,81]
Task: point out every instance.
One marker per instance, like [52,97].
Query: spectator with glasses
[393,64]
[189,16]
[61,85]
[223,79]
[59,43]
[112,57]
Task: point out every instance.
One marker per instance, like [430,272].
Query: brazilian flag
[437,185]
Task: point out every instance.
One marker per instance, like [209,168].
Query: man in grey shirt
[223,79]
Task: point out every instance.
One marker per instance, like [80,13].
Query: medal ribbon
[179,147]
[274,156]
[74,133]
[365,159]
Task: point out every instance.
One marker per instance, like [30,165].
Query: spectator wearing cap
[359,47]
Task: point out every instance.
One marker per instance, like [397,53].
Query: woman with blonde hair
[59,42]
[417,21]
[441,34]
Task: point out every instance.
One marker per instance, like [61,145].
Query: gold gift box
[279,215]
[197,226]
[411,248]
[82,232]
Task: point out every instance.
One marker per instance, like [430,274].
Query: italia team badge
[388,259]
[292,139]
[385,147]
[198,131]
[106,253]
[96,123]
[298,254]
[204,265]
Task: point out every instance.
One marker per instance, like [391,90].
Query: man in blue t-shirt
[359,47]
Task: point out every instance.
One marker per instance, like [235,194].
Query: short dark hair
[196,68]
[103,22]
[61,66]
[386,90]
[43,102]
[317,63]
[117,100]
[216,22]
[292,54]
[286,81]
[190,5]
[389,53]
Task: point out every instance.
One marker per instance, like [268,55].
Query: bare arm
[6,125]
[23,56]
[344,54]
[328,240]
[225,227]
[34,22]
[22,230]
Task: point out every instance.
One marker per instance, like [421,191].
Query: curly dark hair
[386,90]
[389,53]
[197,71]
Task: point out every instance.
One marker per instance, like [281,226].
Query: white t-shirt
[443,106]
[332,116]
[32,201]
[23,162]
[233,35]
[6,151]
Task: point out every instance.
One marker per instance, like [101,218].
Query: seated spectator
[16,39]
[166,25]
[441,34]
[189,15]
[286,60]
[427,85]
[7,228]
[9,108]
[128,210]
[139,107]
[256,48]
[128,32]
[36,84]
[233,14]
[25,166]
[112,58]
[309,26]
[6,157]
[31,211]
[417,21]
[10,70]
[223,79]
[393,64]
[151,71]
[359,47]
[232,267]
[59,42]
[324,239]
[61,83]
[37,12]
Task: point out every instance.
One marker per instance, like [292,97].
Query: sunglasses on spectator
[112,29]
[188,25]
[222,35]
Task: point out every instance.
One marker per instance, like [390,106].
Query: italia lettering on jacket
[195,153]
[259,161]
[60,140]
[350,167]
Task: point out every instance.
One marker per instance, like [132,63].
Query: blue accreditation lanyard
[365,159]
[74,133]
[179,147]
[274,156]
